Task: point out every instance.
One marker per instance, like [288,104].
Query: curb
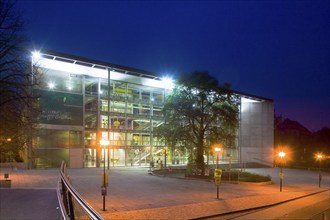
[256,183]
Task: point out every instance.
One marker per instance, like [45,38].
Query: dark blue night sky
[275,49]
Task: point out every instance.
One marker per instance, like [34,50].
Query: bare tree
[16,100]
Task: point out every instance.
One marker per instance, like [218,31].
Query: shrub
[236,175]
[251,177]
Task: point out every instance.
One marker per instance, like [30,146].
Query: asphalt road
[29,204]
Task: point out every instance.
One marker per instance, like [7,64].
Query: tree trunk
[200,156]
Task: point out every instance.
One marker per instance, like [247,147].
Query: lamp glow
[319,156]
[217,149]
[51,85]
[168,83]
[281,154]
[36,55]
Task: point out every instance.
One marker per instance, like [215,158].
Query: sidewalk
[134,194]
[209,209]
[304,208]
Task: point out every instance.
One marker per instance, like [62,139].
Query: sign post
[217,179]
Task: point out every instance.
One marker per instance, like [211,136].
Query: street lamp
[319,157]
[281,155]
[217,172]
[104,143]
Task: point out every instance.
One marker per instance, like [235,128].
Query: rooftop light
[36,55]
[168,82]
[51,85]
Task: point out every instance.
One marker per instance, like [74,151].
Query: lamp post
[104,175]
[217,173]
[281,155]
[319,157]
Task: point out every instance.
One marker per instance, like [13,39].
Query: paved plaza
[135,194]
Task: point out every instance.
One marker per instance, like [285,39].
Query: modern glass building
[83,101]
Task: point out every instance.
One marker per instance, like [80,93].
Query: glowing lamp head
[51,85]
[319,156]
[281,154]
[36,55]
[217,149]
[168,83]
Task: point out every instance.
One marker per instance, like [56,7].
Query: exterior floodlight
[51,85]
[168,83]
[36,55]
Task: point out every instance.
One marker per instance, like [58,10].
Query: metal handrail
[66,195]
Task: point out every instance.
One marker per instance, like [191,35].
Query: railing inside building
[71,203]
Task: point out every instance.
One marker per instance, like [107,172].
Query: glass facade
[79,108]
[83,102]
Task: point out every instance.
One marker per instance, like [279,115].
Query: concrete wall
[76,158]
[257,131]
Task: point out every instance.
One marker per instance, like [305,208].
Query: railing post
[71,201]
[64,195]
[71,210]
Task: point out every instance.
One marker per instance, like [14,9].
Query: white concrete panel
[257,132]
[76,157]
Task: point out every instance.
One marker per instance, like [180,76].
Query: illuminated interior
[84,101]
